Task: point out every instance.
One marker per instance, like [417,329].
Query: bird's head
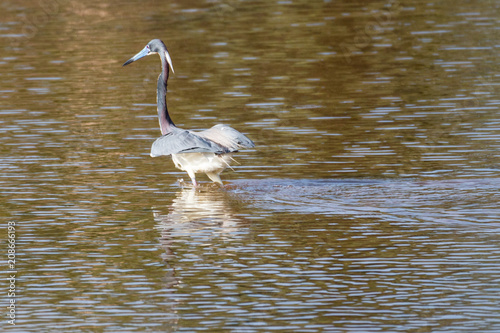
[156,46]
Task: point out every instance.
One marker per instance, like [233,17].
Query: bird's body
[209,151]
[208,163]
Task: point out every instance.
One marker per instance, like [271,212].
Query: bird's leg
[214,177]
[193,177]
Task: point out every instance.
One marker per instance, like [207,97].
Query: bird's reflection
[193,210]
[195,217]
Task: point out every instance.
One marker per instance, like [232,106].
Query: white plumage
[208,163]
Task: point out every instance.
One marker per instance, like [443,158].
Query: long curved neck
[166,124]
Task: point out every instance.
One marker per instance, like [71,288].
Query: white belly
[202,162]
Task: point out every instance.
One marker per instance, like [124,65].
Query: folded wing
[219,139]
[227,136]
[182,141]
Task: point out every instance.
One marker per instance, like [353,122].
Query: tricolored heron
[208,151]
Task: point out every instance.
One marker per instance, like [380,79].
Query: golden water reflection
[370,202]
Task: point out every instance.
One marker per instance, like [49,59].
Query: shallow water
[370,202]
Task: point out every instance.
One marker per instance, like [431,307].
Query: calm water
[369,204]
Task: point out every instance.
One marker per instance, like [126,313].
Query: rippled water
[369,204]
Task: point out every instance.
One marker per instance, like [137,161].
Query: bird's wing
[183,141]
[227,137]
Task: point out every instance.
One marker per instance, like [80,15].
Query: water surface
[370,202]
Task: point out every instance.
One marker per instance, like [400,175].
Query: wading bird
[208,151]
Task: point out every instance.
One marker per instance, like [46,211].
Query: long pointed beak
[144,52]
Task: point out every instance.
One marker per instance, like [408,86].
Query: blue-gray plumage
[208,151]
